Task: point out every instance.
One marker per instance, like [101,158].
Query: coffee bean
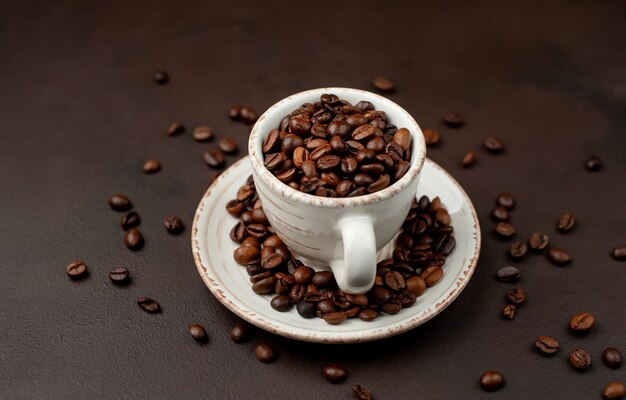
[119,202]
[133,239]
[174,225]
[323,279]
[119,275]
[202,133]
[151,166]
[431,137]
[264,286]
[558,256]
[593,164]
[403,138]
[335,318]
[516,296]
[493,145]
[303,275]
[368,315]
[518,249]
[246,255]
[500,214]
[394,281]
[306,309]
[228,145]
[619,253]
[234,112]
[361,392]
[241,332]
[327,163]
[383,84]
[77,270]
[504,229]
[149,305]
[612,357]
[508,274]
[380,184]
[581,323]
[339,128]
[238,233]
[416,284]
[538,241]
[198,333]
[432,275]
[265,353]
[565,223]
[130,220]
[281,303]
[580,359]
[364,132]
[491,381]
[161,77]
[614,390]
[442,217]
[334,373]
[214,158]
[175,128]
[247,115]
[505,200]
[509,311]
[393,307]
[547,344]
[468,159]
[453,119]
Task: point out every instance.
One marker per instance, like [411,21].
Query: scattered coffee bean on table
[468,159]
[265,353]
[491,381]
[500,214]
[202,133]
[133,239]
[431,137]
[580,359]
[612,357]
[228,145]
[516,296]
[506,200]
[518,249]
[161,77]
[593,164]
[538,241]
[241,332]
[508,274]
[76,269]
[493,145]
[130,220]
[149,305]
[558,256]
[175,128]
[198,333]
[245,114]
[361,392]
[614,390]
[565,223]
[214,158]
[582,322]
[547,344]
[504,229]
[453,119]
[619,253]
[383,84]
[151,166]
[334,373]
[509,311]
[119,202]
[119,276]
[174,225]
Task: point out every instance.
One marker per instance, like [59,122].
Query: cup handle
[355,273]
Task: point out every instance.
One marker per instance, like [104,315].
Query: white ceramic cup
[343,233]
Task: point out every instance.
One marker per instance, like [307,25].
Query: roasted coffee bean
[491,381]
[334,373]
[133,239]
[76,270]
[245,192]
[254,270]
[264,286]
[508,274]
[149,305]
[431,137]
[380,184]
[265,353]
[303,275]
[500,214]
[493,145]
[235,207]
[442,217]
[234,112]
[504,229]
[238,233]
[593,164]
[379,295]
[518,249]
[614,390]
[392,307]
[361,392]
[395,151]
[355,120]
[299,124]
[538,241]
[228,145]
[400,169]
[273,241]
[151,166]
[516,296]
[565,223]
[326,306]
[580,359]
[468,159]
[174,225]
[258,231]
[612,357]
[558,256]
[377,144]
[119,202]
[368,314]
[271,142]
[161,77]
[281,303]
[245,255]
[130,220]
[247,115]
[175,128]
[394,280]
[119,275]
[619,253]
[260,276]
[306,309]
[214,158]
[403,138]
[327,163]
[547,344]
[506,200]
[323,279]
[364,105]
[241,332]
[432,275]
[198,333]
[453,119]
[338,128]
[383,84]
[335,318]
[509,311]
[581,323]
[273,261]
[358,299]
[416,284]
[202,133]
[291,142]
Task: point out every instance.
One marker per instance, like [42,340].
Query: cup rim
[417,159]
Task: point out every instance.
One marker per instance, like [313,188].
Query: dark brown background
[79,114]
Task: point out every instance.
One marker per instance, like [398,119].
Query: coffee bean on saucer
[468,159]
[76,269]
[431,137]
[614,390]
[161,77]
[151,166]
[130,220]
[518,249]
[174,225]
[582,322]
[500,214]
[335,318]
[306,309]
[383,84]
[538,241]
[619,253]
[202,133]
[516,296]
[198,333]
[547,344]
[361,392]
[493,145]
[612,357]
[334,373]
[432,275]
[119,202]
[558,256]
[580,359]
[214,158]
[593,164]
[565,223]
[506,200]
[453,119]
[133,239]
[368,314]
[303,275]
[508,274]
[228,145]
[175,128]
[504,230]
[509,311]
[265,353]
[241,332]
[416,284]
[491,381]
[281,303]
[119,275]
[149,305]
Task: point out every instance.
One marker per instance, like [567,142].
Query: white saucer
[213,253]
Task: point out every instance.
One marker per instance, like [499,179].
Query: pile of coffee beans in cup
[417,263]
[332,148]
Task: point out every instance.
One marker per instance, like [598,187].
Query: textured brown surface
[79,115]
